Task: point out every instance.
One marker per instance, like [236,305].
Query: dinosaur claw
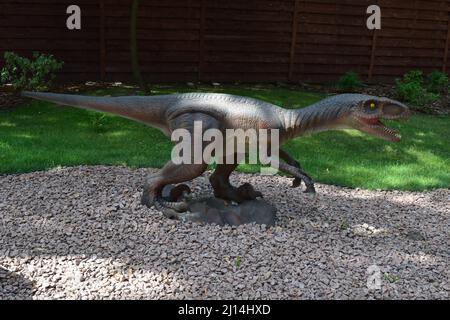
[180,206]
[312,196]
[311,191]
[146,199]
[296,183]
[179,192]
[247,192]
[171,214]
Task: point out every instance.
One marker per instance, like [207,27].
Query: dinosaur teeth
[390,131]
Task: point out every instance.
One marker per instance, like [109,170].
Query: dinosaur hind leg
[170,174]
[173,173]
[220,181]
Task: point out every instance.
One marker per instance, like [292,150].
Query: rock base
[221,212]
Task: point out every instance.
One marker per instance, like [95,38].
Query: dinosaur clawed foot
[296,182]
[242,193]
[148,197]
[162,205]
[173,200]
[248,192]
[310,189]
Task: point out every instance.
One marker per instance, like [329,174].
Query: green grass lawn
[40,135]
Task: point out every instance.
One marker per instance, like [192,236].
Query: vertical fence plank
[201,37]
[372,55]
[447,44]
[102,40]
[293,39]
[373,49]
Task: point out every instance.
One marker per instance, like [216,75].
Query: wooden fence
[233,40]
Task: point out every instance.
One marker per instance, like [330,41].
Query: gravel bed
[81,233]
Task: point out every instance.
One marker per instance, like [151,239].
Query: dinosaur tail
[140,108]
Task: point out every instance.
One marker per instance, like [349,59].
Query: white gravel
[81,233]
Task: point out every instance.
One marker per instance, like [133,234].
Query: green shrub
[23,73]
[437,82]
[413,76]
[349,81]
[411,89]
[99,121]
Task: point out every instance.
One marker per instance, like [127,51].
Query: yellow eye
[372,105]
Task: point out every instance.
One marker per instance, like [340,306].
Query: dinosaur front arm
[298,175]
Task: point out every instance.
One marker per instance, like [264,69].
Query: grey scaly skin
[224,111]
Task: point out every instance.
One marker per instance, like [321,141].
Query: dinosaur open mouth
[377,127]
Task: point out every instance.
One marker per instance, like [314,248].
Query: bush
[437,82]
[411,89]
[99,122]
[348,82]
[23,73]
[413,76]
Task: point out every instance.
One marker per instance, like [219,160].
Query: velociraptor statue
[224,111]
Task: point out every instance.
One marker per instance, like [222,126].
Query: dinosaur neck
[325,115]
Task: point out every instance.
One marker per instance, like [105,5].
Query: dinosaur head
[367,113]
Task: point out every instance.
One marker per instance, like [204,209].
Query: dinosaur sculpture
[224,111]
